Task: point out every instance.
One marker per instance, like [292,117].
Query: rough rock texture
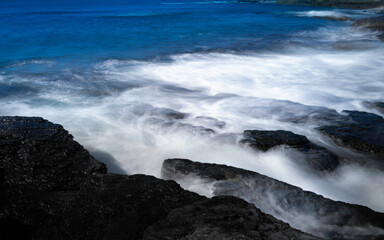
[316,157]
[304,210]
[335,3]
[362,131]
[224,218]
[52,188]
[37,154]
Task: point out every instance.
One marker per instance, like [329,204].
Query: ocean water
[137,82]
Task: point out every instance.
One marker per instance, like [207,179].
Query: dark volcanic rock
[37,154]
[316,157]
[224,218]
[304,210]
[363,132]
[111,207]
[51,188]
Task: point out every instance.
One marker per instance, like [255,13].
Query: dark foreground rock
[224,218]
[51,188]
[335,3]
[302,209]
[361,131]
[315,157]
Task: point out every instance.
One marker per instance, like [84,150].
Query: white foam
[254,91]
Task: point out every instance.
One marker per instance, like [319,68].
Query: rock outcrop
[52,188]
[224,218]
[315,157]
[361,131]
[301,209]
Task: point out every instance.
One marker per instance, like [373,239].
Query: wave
[197,105]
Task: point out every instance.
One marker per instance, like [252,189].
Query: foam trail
[330,79]
[125,108]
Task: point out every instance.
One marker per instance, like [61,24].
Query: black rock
[316,157]
[37,154]
[362,131]
[223,217]
[304,210]
[52,188]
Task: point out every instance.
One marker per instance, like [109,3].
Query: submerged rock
[374,23]
[52,188]
[304,210]
[316,157]
[362,131]
[379,106]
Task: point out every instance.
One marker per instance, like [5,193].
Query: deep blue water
[95,30]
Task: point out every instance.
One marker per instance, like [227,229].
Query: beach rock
[52,188]
[335,3]
[222,217]
[362,132]
[303,210]
[316,157]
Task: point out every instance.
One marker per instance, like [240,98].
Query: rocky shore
[302,209]
[52,188]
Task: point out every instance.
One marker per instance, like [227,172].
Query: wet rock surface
[379,106]
[316,157]
[361,131]
[52,188]
[222,217]
[301,209]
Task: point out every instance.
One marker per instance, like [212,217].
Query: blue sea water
[88,31]
[112,72]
